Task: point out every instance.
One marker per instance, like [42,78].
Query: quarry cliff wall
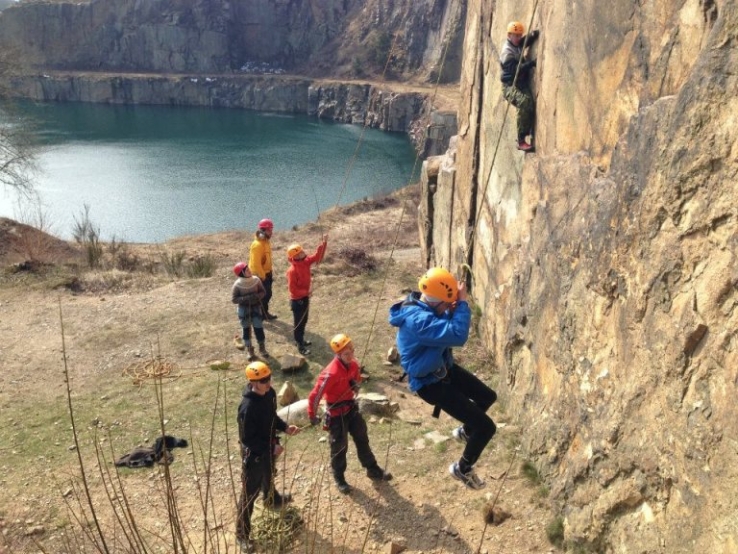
[331,37]
[604,265]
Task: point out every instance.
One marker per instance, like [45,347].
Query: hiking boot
[525,147]
[470,479]
[460,434]
[263,351]
[342,485]
[277,501]
[252,354]
[304,350]
[270,317]
[376,473]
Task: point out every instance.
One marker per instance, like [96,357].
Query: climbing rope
[155,368]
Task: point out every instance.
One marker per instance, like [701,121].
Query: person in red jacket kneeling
[299,282]
[339,382]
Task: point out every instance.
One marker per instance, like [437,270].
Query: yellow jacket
[260,256]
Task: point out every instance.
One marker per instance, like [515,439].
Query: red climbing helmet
[239,267]
[266,224]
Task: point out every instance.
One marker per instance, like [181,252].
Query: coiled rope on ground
[154,368]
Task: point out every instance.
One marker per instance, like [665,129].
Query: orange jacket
[299,277]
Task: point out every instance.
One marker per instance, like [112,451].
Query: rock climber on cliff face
[517,90]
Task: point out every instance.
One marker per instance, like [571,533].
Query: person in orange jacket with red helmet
[338,383]
[299,282]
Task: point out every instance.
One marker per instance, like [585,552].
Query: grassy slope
[190,323]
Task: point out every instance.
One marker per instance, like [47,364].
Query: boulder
[287,394]
[376,404]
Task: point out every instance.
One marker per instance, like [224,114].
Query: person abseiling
[248,292]
[258,424]
[338,383]
[429,323]
[260,261]
[517,91]
[299,283]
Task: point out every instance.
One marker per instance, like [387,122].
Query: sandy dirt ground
[114,322]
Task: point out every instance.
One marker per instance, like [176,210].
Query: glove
[530,39]
[314,421]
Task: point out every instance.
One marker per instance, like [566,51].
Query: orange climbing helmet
[293,251]
[339,342]
[439,283]
[515,28]
[256,371]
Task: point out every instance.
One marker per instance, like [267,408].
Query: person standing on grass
[260,261]
[248,292]
[258,424]
[430,323]
[338,383]
[299,283]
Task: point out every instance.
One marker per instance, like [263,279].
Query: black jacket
[509,58]
[258,421]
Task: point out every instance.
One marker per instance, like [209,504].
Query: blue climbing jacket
[424,339]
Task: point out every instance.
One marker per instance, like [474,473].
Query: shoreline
[391,107]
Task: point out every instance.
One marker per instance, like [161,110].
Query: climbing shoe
[304,350]
[469,478]
[376,473]
[525,147]
[460,434]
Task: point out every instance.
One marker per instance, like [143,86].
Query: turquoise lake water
[151,173]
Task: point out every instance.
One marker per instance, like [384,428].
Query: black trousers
[257,475]
[351,423]
[300,309]
[465,398]
[268,280]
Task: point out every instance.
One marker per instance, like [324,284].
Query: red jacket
[298,274]
[334,382]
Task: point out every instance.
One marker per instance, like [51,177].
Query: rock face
[333,37]
[605,264]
